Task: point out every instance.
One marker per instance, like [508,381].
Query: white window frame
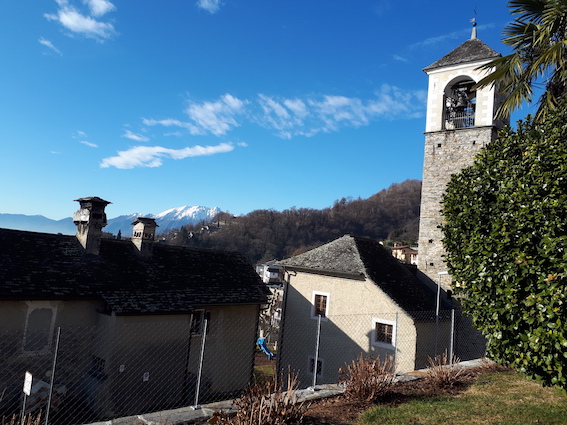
[394,333]
[328,303]
[311,359]
[38,305]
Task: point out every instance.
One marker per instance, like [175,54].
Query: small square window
[320,305]
[384,333]
[438,145]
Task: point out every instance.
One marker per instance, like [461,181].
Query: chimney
[90,219]
[143,235]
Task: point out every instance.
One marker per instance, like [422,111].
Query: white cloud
[211,6]
[50,45]
[298,116]
[216,117]
[99,7]
[329,113]
[133,136]
[71,19]
[283,116]
[89,144]
[152,156]
[170,122]
[400,58]
[455,35]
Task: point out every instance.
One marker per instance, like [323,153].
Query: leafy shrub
[267,404]
[505,233]
[368,378]
[442,374]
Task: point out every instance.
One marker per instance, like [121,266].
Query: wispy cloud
[136,137]
[217,117]
[87,24]
[99,7]
[329,113]
[211,6]
[455,35]
[152,156]
[399,58]
[300,116]
[89,144]
[50,45]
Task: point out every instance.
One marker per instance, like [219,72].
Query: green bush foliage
[505,235]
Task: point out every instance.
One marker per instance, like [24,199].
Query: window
[384,333]
[40,321]
[320,305]
[460,105]
[98,366]
[198,322]
[312,365]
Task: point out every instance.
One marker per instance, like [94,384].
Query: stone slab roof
[40,266]
[367,258]
[472,50]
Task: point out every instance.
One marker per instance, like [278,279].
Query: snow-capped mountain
[173,218]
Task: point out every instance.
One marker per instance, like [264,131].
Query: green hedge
[505,235]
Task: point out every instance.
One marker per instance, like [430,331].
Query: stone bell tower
[459,122]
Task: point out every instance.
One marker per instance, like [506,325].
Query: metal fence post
[396,344]
[452,336]
[316,351]
[52,375]
[201,357]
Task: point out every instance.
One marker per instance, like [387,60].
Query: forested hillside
[391,214]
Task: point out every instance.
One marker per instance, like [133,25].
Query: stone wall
[446,153]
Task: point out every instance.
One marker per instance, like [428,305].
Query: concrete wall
[347,331]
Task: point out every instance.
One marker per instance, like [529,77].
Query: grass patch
[264,374]
[503,398]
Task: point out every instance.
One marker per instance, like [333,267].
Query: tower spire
[473,33]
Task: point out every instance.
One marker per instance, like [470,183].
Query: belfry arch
[459,104]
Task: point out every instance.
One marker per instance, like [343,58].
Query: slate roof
[40,266]
[472,50]
[363,257]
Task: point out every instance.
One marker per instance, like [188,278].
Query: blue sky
[240,104]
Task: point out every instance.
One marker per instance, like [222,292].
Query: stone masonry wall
[446,153]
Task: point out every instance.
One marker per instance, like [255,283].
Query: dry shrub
[268,404]
[29,419]
[442,374]
[368,378]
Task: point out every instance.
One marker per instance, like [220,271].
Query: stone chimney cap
[146,220]
[93,199]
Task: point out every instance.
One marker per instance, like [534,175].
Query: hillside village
[140,325]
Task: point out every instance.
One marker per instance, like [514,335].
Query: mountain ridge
[167,220]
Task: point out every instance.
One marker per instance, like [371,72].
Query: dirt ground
[339,410]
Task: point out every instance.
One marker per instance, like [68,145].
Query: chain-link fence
[83,375]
